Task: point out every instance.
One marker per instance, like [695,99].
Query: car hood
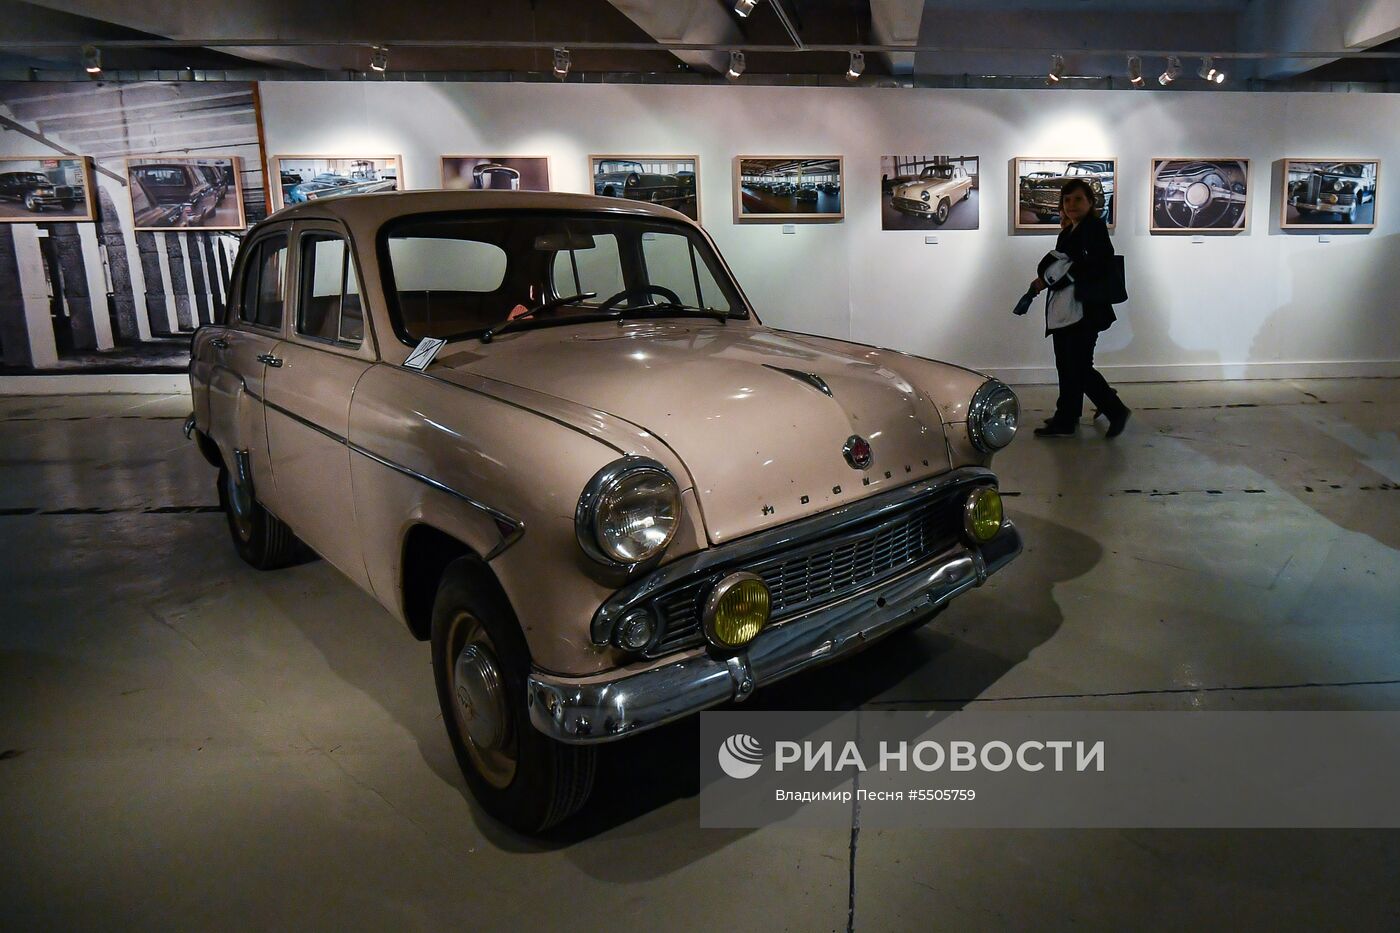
[931,184]
[759,417]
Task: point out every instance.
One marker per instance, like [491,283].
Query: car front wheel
[940,217]
[481,663]
[32,203]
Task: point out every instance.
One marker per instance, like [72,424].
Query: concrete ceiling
[971,37]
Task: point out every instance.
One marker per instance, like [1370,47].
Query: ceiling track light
[1135,71]
[379,59]
[562,63]
[1172,72]
[1057,69]
[736,66]
[744,7]
[1208,72]
[92,59]
[857,66]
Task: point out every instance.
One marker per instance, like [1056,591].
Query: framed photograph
[495,173]
[1038,180]
[772,189]
[307,177]
[1200,195]
[34,190]
[1329,192]
[673,181]
[929,192]
[185,193]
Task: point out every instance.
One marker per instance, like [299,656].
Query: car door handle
[218,343]
[269,359]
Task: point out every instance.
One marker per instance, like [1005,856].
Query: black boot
[1118,421]
[1054,428]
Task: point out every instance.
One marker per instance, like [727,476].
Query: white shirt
[1061,307]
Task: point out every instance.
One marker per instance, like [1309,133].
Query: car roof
[376,208]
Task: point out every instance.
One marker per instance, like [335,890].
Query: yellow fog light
[982,515]
[736,610]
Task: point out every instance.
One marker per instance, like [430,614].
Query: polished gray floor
[187,743]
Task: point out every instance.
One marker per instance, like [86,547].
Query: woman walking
[1083,253]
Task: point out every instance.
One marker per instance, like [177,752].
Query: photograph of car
[1036,199]
[668,180]
[185,192]
[1199,195]
[333,176]
[43,189]
[930,191]
[1329,192]
[616,500]
[772,189]
[495,173]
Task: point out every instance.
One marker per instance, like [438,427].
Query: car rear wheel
[480,664]
[261,538]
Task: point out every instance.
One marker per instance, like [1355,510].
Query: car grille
[62,191]
[909,204]
[813,575]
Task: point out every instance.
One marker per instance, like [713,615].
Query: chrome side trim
[511,528]
[602,709]
[783,538]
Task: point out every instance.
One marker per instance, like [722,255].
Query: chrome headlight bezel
[984,402]
[606,481]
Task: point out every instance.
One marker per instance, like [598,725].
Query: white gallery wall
[1256,304]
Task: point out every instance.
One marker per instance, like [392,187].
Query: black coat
[1089,249]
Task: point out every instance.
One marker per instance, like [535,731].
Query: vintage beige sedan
[613,498]
[934,192]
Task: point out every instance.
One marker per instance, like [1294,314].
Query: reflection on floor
[185,741]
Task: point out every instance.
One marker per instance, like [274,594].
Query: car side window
[330,292]
[264,284]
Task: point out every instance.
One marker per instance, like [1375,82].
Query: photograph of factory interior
[513,464]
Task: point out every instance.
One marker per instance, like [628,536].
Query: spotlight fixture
[1057,69]
[736,66]
[1209,72]
[562,63]
[857,66]
[1172,73]
[1135,71]
[744,7]
[92,59]
[379,58]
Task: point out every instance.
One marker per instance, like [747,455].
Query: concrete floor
[187,743]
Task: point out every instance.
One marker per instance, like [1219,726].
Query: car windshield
[163,176]
[30,178]
[1346,168]
[454,275]
[937,171]
[608,167]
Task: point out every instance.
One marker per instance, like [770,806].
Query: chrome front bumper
[612,706]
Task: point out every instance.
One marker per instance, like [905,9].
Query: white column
[189,279]
[138,282]
[164,258]
[96,269]
[204,260]
[34,287]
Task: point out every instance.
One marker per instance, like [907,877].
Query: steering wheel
[644,291]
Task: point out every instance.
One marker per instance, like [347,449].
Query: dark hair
[1078,184]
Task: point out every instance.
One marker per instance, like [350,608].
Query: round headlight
[736,610]
[982,514]
[992,416]
[629,512]
[924,194]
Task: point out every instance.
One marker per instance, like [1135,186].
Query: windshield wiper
[495,329]
[678,310]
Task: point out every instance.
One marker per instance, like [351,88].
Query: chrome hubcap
[480,705]
[240,506]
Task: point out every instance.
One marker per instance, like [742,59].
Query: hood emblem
[812,379]
[857,452]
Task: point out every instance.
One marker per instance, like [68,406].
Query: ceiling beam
[686,22]
[896,23]
[1354,25]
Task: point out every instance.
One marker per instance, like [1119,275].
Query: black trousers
[1074,361]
